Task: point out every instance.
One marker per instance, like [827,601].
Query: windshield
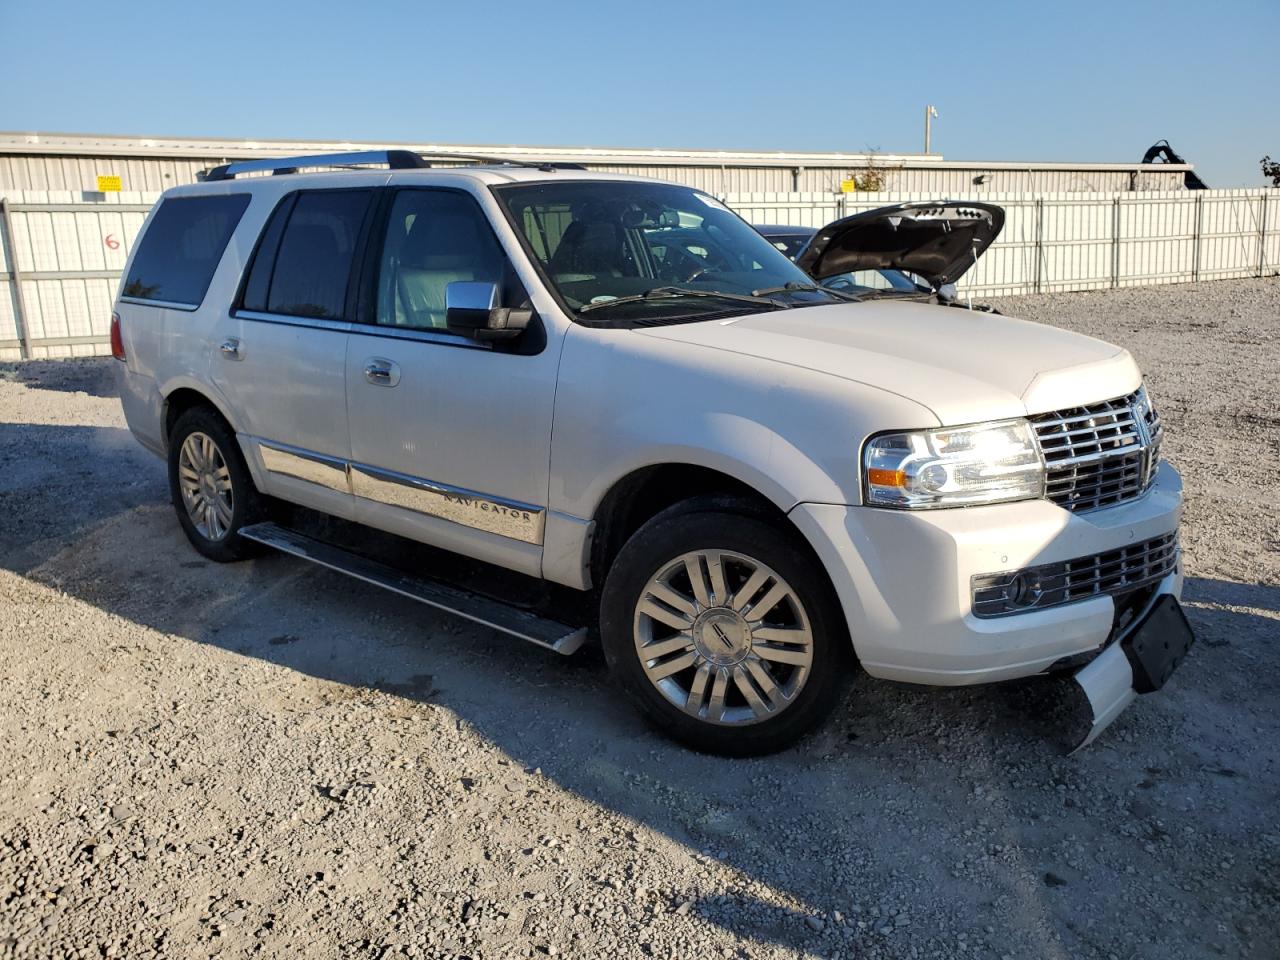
[791,244]
[597,242]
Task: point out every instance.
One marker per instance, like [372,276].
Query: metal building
[56,161]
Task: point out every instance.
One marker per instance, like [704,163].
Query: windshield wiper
[882,293]
[793,287]
[675,293]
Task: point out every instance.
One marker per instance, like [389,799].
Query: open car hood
[936,240]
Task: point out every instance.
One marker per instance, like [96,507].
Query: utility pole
[930,113]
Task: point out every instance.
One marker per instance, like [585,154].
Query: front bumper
[904,580]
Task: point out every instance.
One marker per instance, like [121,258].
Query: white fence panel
[1230,232]
[1085,241]
[1270,214]
[789,209]
[68,254]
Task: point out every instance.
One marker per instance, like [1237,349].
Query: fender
[210,392]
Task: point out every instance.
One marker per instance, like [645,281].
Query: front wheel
[724,631]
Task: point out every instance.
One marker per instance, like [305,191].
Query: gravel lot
[266,759]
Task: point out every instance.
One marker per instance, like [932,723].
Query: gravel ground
[266,759]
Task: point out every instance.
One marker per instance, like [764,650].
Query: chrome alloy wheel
[723,637]
[205,483]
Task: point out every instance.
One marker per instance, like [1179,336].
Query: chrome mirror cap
[470,296]
[471,308]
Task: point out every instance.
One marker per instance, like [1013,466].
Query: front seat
[589,249]
[438,251]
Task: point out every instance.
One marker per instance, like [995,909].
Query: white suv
[616,385]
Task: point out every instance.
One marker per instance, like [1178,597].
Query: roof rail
[395,159]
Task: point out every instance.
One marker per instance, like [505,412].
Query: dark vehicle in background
[915,250]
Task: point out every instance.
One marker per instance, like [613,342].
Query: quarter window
[181,249]
[434,238]
[310,273]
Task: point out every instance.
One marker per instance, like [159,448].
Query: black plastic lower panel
[1158,644]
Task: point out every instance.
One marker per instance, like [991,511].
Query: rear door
[281,353]
[163,321]
[450,437]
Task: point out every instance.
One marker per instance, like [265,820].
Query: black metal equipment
[1161,152]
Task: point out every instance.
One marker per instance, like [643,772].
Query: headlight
[953,466]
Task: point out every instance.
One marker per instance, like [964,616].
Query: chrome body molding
[329,472]
[525,522]
[384,331]
[481,511]
[288,320]
[162,304]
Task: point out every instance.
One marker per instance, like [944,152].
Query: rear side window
[303,264]
[181,248]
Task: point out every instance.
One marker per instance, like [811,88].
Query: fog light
[1024,591]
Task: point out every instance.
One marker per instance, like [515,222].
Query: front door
[450,437]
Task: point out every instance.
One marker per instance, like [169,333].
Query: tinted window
[313,265]
[434,238]
[182,247]
[264,258]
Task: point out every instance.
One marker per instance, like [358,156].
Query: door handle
[381,373]
[230,348]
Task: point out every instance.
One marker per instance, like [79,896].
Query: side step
[490,613]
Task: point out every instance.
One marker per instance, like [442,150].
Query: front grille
[1099,454]
[1053,584]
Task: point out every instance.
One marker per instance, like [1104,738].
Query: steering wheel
[698,271]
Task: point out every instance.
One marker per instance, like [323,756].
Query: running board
[489,613]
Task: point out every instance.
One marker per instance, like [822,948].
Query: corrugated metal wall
[40,172]
[70,252]
[35,172]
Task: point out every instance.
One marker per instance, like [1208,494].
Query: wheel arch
[181,395]
[643,493]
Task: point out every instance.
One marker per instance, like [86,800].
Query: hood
[938,241]
[964,366]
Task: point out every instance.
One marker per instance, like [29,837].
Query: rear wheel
[210,484]
[724,631]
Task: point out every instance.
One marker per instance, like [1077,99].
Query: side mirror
[947,293]
[471,310]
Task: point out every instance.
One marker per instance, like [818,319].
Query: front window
[434,238]
[635,252]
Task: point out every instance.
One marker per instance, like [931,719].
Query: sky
[1067,81]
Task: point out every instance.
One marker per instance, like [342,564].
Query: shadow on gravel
[881,799]
[92,375]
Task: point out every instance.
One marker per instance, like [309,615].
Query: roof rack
[395,159]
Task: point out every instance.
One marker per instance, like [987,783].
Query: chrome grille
[1099,454]
[1053,584]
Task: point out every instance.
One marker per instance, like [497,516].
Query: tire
[213,503]
[715,649]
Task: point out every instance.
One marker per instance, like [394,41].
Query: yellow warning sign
[109,184]
[849,186]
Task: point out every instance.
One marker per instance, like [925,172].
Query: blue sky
[1079,81]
